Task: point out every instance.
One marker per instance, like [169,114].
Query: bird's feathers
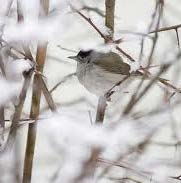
[113,63]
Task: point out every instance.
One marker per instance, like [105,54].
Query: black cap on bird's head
[84,54]
[81,55]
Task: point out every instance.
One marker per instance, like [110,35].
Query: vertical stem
[2,124]
[109,18]
[35,107]
[101,108]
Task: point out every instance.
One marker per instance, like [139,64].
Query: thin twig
[107,39]
[94,9]
[166,28]
[91,23]
[132,103]
[178,40]
[2,124]
[18,109]
[146,73]
[47,95]
[62,81]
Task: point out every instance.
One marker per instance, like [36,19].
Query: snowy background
[142,147]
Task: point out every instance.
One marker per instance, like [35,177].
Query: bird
[98,71]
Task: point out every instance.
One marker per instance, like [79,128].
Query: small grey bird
[98,71]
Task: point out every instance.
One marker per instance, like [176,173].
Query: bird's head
[83,56]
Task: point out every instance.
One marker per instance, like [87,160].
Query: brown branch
[18,109]
[91,23]
[94,9]
[110,91]
[2,124]
[124,179]
[107,39]
[62,81]
[125,54]
[178,40]
[101,108]
[176,178]
[2,114]
[166,28]
[109,18]
[35,107]
[89,165]
[158,10]
[13,48]
[135,100]
[47,95]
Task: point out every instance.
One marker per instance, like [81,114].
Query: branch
[101,108]
[35,107]
[18,109]
[109,19]
[91,23]
[94,9]
[62,81]
[47,95]
[107,39]
[135,100]
[166,28]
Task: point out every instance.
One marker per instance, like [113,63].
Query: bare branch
[109,18]
[35,107]
[47,95]
[166,28]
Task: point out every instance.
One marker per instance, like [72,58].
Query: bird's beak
[73,57]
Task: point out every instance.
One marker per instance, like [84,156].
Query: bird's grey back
[112,62]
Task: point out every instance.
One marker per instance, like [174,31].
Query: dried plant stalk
[109,21]
[47,95]
[35,107]
[101,108]
[2,124]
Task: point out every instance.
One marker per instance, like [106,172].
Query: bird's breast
[95,79]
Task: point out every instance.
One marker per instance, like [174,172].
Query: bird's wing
[113,63]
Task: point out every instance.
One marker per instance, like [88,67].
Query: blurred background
[141,146]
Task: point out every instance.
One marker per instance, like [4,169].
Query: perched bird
[98,71]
